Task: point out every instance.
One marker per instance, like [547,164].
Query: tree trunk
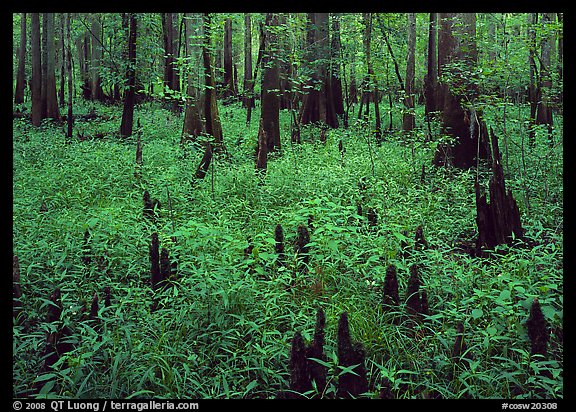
[83,47]
[69,117]
[192,123]
[44,52]
[213,126]
[36,89]
[228,83]
[533,88]
[247,100]
[315,107]
[95,80]
[62,48]
[252,83]
[212,119]
[544,111]
[431,79]
[335,74]
[21,74]
[52,110]
[270,85]
[457,46]
[128,112]
[408,119]
[371,78]
[168,52]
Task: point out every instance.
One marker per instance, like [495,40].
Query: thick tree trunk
[44,52]
[192,127]
[95,61]
[408,119]
[431,79]
[36,89]
[128,112]
[52,109]
[228,89]
[457,45]
[270,85]
[315,107]
[335,74]
[213,126]
[21,74]
[62,54]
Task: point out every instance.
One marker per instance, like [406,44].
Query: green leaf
[321,362]
[477,313]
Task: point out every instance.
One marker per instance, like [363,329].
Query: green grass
[223,328]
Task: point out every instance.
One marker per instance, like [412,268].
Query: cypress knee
[537,330]
[299,373]
[349,354]
[391,297]
[316,350]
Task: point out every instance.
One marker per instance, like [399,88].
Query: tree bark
[228,89]
[69,117]
[36,89]
[498,221]
[247,100]
[128,112]
[544,111]
[315,107]
[213,126]
[52,109]
[431,79]
[408,119]
[62,48]
[192,127]
[371,78]
[95,61]
[21,74]
[335,73]
[457,48]
[270,85]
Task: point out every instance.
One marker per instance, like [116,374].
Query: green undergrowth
[222,328]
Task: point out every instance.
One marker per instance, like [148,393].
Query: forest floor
[223,327]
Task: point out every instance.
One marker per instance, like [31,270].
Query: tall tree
[36,87]
[408,119]
[21,74]
[431,79]
[228,85]
[170,37]
[62,55]
[95,61]
[69,117]
[83,48]
[335,74]
[212,123]
[192,122]
[317,104]
[370,81]
[128,111]
[457,59]
[544,111]
[247,99]
[269,131]
[52,110]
